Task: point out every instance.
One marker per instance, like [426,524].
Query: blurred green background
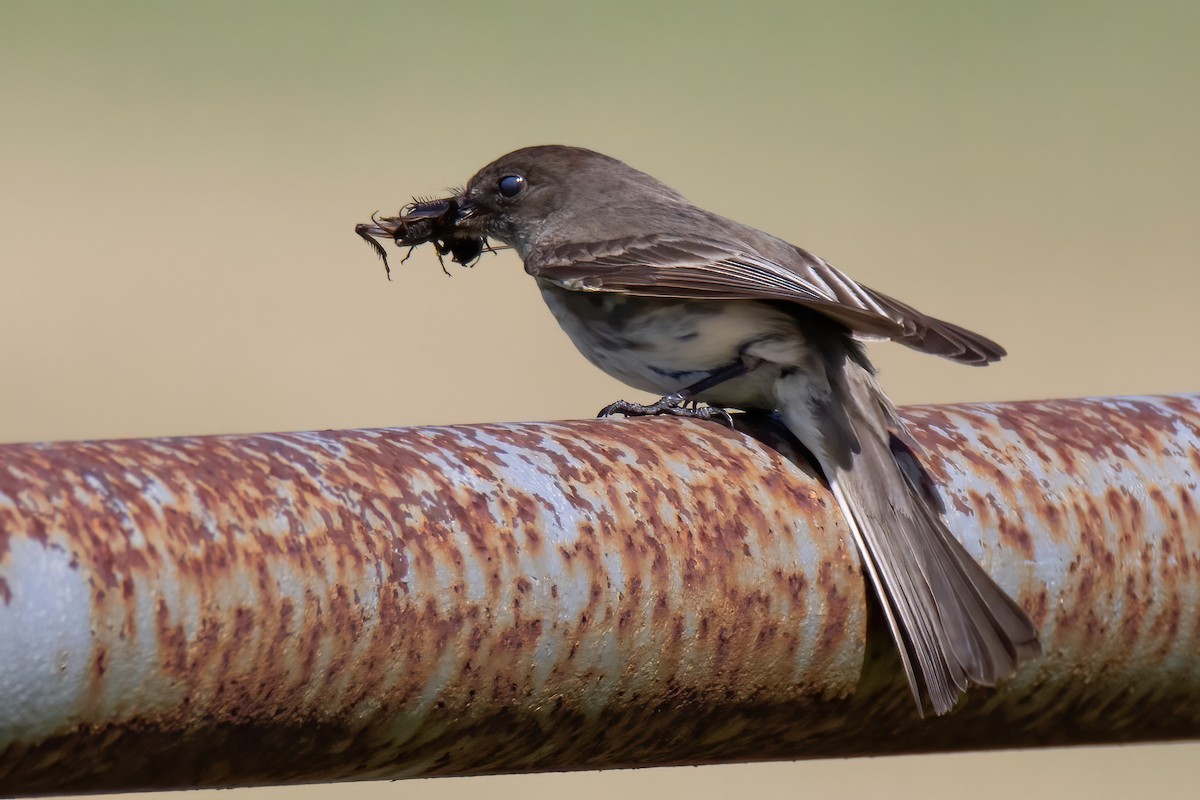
[180,183]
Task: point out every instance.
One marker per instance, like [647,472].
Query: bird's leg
[675,403]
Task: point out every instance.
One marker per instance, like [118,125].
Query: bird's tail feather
[953,625]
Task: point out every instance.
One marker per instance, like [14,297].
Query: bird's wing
[663,265]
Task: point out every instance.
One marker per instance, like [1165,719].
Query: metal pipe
[248,610]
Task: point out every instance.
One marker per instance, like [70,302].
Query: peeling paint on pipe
[249,610]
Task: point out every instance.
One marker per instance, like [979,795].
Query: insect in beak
[427,220]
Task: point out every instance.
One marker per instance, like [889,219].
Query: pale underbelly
[663,345]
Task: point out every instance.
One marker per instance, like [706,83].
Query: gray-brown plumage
[673,299]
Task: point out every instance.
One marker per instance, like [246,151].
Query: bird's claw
[673,405]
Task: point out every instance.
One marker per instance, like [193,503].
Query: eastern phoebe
[672,299]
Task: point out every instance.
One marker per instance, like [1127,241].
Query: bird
[679,301]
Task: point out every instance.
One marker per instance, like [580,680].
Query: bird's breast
[664,344]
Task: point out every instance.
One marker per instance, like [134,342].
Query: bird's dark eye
[511,185]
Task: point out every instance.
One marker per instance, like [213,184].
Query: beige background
[180,183]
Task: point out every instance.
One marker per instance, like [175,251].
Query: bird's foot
[674,405]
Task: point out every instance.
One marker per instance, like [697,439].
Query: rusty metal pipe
[246,610]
